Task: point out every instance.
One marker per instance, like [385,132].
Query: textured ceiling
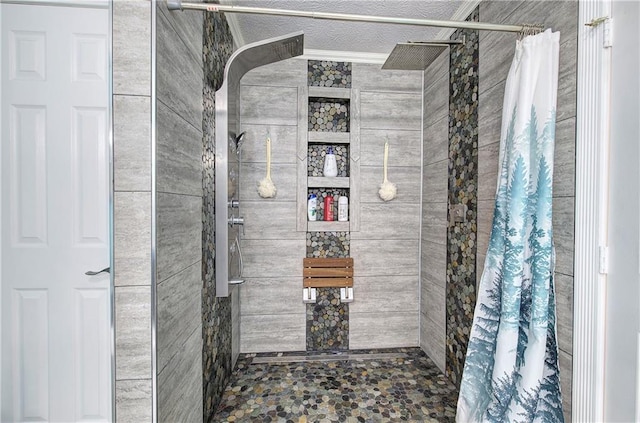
[342,36]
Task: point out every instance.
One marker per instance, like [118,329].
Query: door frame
[95,4]
[591,211]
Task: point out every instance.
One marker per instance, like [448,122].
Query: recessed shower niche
[332,122]
[329,114]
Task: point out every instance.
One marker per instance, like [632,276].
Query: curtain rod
[212,7]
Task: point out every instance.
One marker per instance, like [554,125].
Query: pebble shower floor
[387,386]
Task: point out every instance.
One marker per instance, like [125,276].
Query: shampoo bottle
[343,209]
[312,207]
[328,208]
[330,164]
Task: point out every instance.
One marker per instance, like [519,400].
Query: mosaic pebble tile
[328,318]
[323,73]
[317,153]
[463,180]
[216,312]
[328,114]
[328,244]
[328,322]
[407,388]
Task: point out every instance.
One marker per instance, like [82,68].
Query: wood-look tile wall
[385,311]
[132,208]
[385,249]
[179,213]
[496,54]
[272,315]
[433,240]
[179,186]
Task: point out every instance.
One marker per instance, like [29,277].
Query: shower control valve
[234,204]
[233,221]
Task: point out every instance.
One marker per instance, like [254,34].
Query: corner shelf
[327,182]
[327,226]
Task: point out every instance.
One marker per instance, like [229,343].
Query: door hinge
[604,260]
[607,34]
[607,29]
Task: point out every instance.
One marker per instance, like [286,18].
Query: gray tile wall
[496,54]
[385,250]
[272,315]
[179,152]
[132,208]
[433,263]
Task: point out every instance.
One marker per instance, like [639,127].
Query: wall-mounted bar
[211,7]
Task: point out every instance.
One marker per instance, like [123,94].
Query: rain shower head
[264,52]
[416,56]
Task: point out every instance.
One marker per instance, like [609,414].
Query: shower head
[239,141]
[263,53]
[416,56]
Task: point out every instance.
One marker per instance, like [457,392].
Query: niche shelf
[316,137]
[329,114]
[331,226]
[328,92]
[316,156]
[317,102]
[327,182]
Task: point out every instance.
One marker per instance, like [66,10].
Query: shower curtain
[511,369]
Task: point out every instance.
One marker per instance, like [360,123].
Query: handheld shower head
[239,141]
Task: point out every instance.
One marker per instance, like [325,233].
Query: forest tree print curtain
[511,370]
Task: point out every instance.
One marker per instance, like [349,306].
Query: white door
[56,321]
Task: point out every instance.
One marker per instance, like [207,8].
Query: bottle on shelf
[330,165]
[312,207]
[343,209]
[328,208]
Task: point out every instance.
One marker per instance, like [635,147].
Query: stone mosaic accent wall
[328,244]
[328,114]
[317,153]
[216,312]
[329,74]
[463,181]
[328,318]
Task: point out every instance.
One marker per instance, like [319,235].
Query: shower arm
[212,7]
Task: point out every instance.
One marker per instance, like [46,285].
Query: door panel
[56,321]
[89,151]
[28,197]
[31,351]
[91,349]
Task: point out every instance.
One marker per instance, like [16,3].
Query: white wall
[623,308]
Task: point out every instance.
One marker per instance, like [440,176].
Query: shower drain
[326,358]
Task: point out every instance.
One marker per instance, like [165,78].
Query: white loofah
[388,190]
[266,187]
